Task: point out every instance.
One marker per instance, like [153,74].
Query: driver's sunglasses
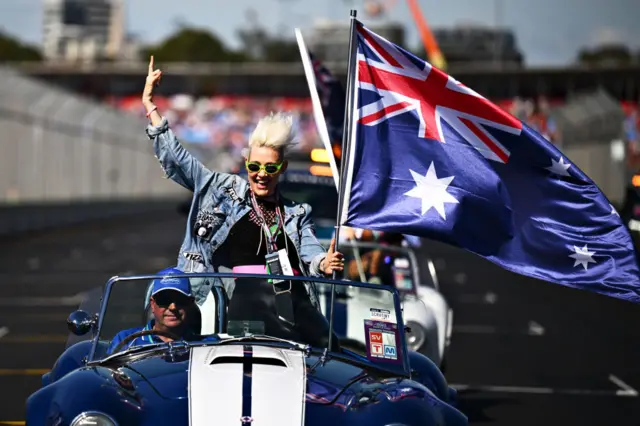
[270,168]
[165,300]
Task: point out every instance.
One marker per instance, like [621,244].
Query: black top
[254,300]
[246,243]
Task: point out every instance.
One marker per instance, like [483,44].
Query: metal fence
[58,147]
[590,127]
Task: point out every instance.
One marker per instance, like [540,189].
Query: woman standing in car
[234,223]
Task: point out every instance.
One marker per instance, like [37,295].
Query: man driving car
[173,307]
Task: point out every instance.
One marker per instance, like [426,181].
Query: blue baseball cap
[171,283]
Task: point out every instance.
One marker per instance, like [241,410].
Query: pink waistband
[255,269]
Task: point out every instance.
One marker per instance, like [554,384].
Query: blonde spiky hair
[275,131]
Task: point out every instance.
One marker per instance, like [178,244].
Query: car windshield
[245,305]
[376,263]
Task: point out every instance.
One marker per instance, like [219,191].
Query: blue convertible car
[253,371]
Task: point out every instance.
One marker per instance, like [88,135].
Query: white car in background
[425,310]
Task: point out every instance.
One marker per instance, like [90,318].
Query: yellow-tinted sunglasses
[270,169]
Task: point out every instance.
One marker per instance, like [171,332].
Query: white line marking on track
[626,389]
[4,331]
[491,298]
[541,390]
[535,329]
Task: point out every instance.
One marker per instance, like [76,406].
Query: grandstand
[215,104]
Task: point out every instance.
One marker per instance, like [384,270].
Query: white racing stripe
[278,393]
[276,381]
[215,391]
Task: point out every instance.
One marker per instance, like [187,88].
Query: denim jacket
[219,201]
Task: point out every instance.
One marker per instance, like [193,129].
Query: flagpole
[318,115]
[346,135]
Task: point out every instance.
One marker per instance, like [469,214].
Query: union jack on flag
[405,83]
[430,157]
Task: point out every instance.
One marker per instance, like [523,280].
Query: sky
[549,32]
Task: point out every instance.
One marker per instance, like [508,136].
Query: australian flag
[332,97]
[435,159]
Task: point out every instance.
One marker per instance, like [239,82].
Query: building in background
[329,40]
[477,45]
[85,30]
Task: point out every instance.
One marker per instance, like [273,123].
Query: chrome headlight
[416,337]
[93,418]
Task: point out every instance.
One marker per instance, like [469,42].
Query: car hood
[274,382]
[257,384]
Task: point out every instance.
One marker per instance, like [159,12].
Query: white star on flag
[582,256]
[432,191]
[614,211]
[559,167]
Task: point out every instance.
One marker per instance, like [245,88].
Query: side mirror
[80,323]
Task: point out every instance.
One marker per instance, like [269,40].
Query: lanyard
[270,237]
[148,336]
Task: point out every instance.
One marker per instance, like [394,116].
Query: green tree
[262,46]
[12,50]
[193,45]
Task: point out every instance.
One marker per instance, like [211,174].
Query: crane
[377,8]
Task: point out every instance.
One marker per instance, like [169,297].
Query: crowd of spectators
[632,134]
[536,113]
[222,124]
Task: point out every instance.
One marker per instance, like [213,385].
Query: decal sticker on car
[382,341]
[380,314]
[402,276]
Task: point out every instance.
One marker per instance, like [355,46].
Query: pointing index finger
[151,65]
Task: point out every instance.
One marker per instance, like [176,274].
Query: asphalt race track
[526,352]
[523,352]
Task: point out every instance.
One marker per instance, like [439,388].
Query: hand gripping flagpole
[346,143]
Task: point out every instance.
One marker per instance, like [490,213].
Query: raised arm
[178,163]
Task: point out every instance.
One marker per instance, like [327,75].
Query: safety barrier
[591,134]
[59,151]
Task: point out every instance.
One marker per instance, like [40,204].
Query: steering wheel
[141,333]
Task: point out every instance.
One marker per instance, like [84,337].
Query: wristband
[152,109]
